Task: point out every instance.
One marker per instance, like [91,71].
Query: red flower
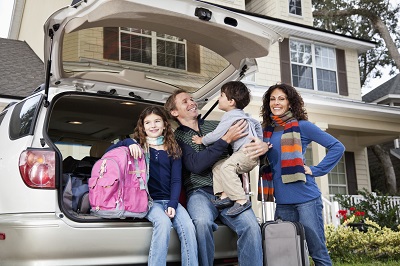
[352,209]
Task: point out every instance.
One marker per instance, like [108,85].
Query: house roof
[388,90]
[21,70]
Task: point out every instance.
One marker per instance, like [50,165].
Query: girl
[163,155]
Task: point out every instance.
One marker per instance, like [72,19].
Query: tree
[384,158]
[375,20]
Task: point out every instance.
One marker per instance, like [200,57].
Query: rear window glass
[23,118]
[159,56]
[76,151]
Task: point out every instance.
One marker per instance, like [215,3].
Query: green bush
[348,245]
[376,207]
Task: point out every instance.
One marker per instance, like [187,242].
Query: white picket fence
[330,210]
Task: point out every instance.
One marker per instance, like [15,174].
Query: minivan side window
[23,117]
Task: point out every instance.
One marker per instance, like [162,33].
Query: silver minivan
[107,60]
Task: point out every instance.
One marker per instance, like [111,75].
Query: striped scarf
[291,155]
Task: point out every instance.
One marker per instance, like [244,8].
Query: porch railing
[331,208]
[355,199]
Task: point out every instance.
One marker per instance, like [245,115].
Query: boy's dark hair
[237,91]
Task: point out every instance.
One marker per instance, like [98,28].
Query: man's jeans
[309,214]
[161,233]
[204,213]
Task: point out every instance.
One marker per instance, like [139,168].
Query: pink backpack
[118,186]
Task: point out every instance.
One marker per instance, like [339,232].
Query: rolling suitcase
[284,242]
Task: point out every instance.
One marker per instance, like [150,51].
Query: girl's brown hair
[170,144]
[296,103]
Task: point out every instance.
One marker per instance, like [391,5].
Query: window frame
[296,8]
[314,67]
[154,38]
[335,170]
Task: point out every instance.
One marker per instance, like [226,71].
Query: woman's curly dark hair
[295,102]
[170,144]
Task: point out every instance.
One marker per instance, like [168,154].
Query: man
[198,161]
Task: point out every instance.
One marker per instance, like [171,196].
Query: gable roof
[389,89]
[21,70]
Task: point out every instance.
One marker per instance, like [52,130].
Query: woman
[288,133]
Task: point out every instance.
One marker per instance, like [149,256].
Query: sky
[6,7]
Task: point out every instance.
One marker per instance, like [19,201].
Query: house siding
[269,68]
[261,7]
[33,19]
[353,74]
[280,9]
[239,4]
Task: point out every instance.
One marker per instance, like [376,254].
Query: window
[295,7]
[23,117]
[76,151]
[313,66]
[152,48]
[337,178]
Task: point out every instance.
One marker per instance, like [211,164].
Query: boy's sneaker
[237,208]
[222,203]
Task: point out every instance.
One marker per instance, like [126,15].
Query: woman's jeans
[161,233]
[204,213]
[309,214]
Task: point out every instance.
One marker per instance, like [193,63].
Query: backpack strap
[141,181]
[103,168]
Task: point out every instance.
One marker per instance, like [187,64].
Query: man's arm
[219,131]
[198,161]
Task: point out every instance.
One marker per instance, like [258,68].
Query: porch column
[319,153]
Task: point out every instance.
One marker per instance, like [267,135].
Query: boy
[235,96]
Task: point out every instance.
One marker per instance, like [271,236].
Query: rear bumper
[44,239]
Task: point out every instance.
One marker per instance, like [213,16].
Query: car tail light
[37,168]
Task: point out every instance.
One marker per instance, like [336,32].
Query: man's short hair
[237,91]
[170,104]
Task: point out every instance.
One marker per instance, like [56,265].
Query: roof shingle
[392,86]
[21,70]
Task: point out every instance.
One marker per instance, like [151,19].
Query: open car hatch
[154,47]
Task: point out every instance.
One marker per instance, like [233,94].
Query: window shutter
[110,43]
[351,172]
[342,75]
[284,53]
[193,57]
